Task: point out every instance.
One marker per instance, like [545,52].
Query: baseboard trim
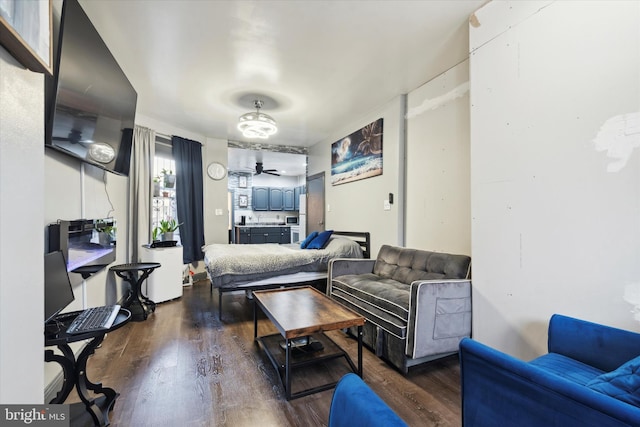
[53,388]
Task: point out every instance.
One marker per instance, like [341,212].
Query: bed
[270,265]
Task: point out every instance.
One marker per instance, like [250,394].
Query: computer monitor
[58,292]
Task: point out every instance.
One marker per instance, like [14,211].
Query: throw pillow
[623,383]
[308,239]
[321,240]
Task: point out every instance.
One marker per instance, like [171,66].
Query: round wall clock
[216,171]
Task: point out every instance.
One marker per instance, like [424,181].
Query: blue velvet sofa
[589,377]
[354,404]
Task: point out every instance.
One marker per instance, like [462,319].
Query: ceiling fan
[260,169]
[74,137]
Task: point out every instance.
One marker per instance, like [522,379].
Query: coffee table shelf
[278,357]
[300,312]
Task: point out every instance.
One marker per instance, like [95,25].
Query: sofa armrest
[355,404]
[601,346]
[439,317]
[500,390]
[342,266]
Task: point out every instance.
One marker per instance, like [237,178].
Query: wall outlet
[218,212]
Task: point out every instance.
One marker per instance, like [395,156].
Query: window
[164,186]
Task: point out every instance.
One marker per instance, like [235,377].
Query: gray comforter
[228,265]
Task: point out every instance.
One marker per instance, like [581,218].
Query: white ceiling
[199,64]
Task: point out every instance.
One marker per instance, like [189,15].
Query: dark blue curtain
[189,197]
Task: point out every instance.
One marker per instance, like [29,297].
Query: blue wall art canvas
[358,155]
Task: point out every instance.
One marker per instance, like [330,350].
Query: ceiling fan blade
[260,169]
[72,141]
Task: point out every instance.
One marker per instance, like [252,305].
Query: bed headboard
[363,239]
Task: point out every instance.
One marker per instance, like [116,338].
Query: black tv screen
[91,103]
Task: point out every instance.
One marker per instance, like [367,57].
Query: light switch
[387,205]
[218,211]
[328,207]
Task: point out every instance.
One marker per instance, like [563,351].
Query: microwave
[291,220]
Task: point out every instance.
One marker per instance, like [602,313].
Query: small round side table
[136,273]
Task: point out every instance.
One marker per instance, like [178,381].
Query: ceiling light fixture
[257,125]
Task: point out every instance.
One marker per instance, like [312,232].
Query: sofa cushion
[623,383]
[408,265]
[566,367]
[390,295]
[383,302]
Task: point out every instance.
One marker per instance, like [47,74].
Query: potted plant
[156,186]
[169,178]
[166,229]
[106,232]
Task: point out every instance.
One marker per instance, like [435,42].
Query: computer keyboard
[94,319]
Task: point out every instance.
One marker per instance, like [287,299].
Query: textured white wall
[75,190]
[555,170]
[358,205]
[22,243]
[438,185]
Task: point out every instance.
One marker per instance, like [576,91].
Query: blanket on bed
[229,264]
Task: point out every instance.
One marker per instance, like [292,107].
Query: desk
[92,410]
[139,305]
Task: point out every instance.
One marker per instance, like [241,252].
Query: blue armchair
[354,404]
[590,377]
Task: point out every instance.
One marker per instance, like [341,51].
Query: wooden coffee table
[298,313]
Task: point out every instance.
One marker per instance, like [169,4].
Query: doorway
[315,203]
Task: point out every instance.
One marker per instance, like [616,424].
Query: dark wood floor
[184,367]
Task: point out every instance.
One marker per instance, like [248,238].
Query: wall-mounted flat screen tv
[91,104]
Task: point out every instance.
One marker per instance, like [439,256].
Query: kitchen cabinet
[296,198]
[258,235]
[243,235]
[275,199]
[288,199]
[260,198]
[265,235]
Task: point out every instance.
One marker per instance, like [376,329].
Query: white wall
[438,189]
[76,190]
[555,217]
[22,242]
[216,227]
[358,205]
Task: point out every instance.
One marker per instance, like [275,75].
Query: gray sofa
[417,303]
